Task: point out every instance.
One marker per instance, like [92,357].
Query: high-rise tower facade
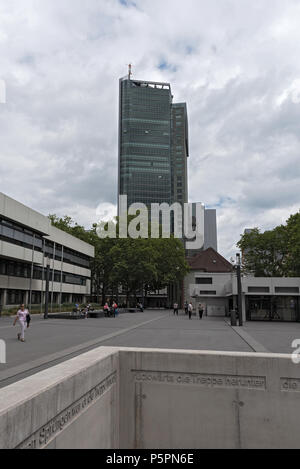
[153,143]
[179,152]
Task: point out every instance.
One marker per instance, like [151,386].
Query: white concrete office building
[28,242]
[212,282]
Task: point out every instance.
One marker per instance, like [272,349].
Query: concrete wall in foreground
[174,399]
[72,405]
[139,398]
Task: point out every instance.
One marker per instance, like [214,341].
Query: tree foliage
[133,264]
[273,253]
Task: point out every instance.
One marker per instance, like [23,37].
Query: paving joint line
[19,370]
[248,339]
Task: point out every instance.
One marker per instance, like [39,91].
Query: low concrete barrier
[72,405]
[144,398]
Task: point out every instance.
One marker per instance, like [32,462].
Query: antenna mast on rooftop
[129,71]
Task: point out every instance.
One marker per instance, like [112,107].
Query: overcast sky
[235,62]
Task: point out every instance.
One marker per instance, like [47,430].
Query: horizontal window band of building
[139,179]
[145,145]
[139,158]
[147,121]
[147,131]
[17,297]
[283,290]
[145,192]
[140,187]
[148,114]
[154,101]
[147,124]
[154,196]
[147,177]
[258,289]
[287,290]
[14,233]
[139,95]
[146,140]
[144,152]
[153,129]
[17,234]
[141,170]
[156,179]
[163,164]
[135,185]
[146,110]
[145,167]
[146,98]
[149,201]
[23,270]
[204,281]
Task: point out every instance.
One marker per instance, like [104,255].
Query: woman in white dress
[22,317]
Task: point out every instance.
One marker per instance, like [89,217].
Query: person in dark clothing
[28,319]
[201,311]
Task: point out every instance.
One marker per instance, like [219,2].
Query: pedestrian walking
[190,308]
[106,309]
[175,309]
[22,318]
[115,309]
[201,311]
[86,312]
[186,308]
[28,319]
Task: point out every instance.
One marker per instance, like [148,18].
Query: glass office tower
[145,142]
[179,153]
[153,144]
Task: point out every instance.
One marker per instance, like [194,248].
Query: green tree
[133,264]
[147,264]
[67,224]
[293,235]
[274,253]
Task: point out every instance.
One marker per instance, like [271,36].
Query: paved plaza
[56,340]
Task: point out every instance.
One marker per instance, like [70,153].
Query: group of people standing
[111,309]
[189,309]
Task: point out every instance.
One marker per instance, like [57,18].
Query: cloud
[234,63]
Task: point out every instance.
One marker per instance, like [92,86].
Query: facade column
[4,298]
[244,307]
[26,298]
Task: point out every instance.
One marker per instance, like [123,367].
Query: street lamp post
[239,288]
[47,289]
